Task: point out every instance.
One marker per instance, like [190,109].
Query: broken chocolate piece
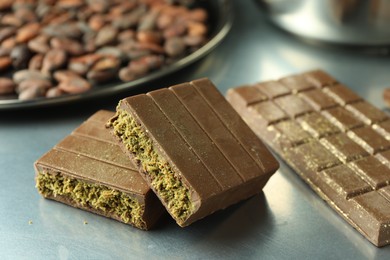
[88,170]
[349,169]
[192,148]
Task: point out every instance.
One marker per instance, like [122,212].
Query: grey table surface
[286,221]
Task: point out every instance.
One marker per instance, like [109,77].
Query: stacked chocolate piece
[190,146]
[89,171]
[336,141]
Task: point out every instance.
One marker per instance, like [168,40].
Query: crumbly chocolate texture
[192,148]
[340,145]
[88,170]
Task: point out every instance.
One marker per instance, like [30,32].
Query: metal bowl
[220,22]
[352,22]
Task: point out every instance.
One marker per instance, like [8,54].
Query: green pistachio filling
[95,196]
[170,189]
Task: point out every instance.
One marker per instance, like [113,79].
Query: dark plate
[220,19]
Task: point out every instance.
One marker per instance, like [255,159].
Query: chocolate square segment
[192,148]
[319,78]
[247,95]
[345,181]
[268,111]
[374,210]
[272,89]
[385,192]
[343,147]
[317,125]
[296,83]
[373,171]
[88,170]
[342,118]
[369,139]
[368,113]
[318,99]
[293,132]
[293,105]
[384,157]
[342,94]
[314,156]
[383,128]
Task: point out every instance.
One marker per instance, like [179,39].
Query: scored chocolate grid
[362,200]
[336,97]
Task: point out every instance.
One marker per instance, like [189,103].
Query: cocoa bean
[196,29]
[9,43]
[42,10]
[175,46]
[129,20]
[99,6]
[7,86]
[96,22]
[32,93]
[152,61]
[164,21]
[106,63]
[27,32]
[26,15]
[133,71]
[198,15]
[148,22]
[53,60]
[20,56]
[88,59]
[136,54]
[176,29]
[74,84]
[23,75]
[6,32]
[156,48]
[106,35]
[39,44]
[84,13]
[112,51]
[126,35]
[70,4]
[69,30]
[64,75]
[104,69]
[36,62]
[78,68]
[152,37]
[194,40]
[122,8]
[33,83]
[101,76]
[11,20]
[72,47]
[4,52]
[54,92]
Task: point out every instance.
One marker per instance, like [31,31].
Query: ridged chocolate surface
[91,154]
[337,142]
[208,145]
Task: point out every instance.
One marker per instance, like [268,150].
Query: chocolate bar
[337,142]
[88,170]
[192,148]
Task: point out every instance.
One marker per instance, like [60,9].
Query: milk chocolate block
[192,148]
[88,170]
[337,142]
